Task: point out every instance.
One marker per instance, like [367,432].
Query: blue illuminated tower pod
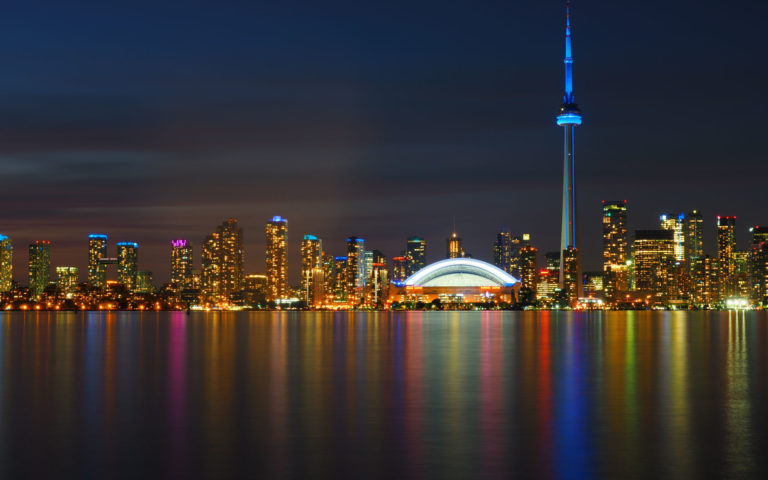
[569,118]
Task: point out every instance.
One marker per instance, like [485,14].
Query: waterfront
[384,395]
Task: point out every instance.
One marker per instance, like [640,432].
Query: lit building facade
[705,281]
[128,264]
[6,264]
[653,253]
[677,225]
[222,263]
[355,269]
[615,248]
[399,269]
[758,266]
[415,255]
[726,247]
[340,280]
[454,247]
[311,259]
[572,284]
[144,282]
[694,236]
[181,265]
[39,267]
[97,249]
[66,280]
[503,251]
[529,278]
[276,258]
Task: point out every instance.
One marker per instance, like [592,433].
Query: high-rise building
[615,248]
[503,251]
[6,263]
[528,273]
[694,236]
[705,281]
[726,247]
[368,265]
[340,280]
[39,267]
[127,264]
[454,247]
[181,265]
[222,263]
[97,249]
[569,118]
[355,268]
[311,259]
[144,282]
[276,257]
[653,254]
[329,277]
[677,226]
[66,280]
[758,266]
[415,255]
[399,269]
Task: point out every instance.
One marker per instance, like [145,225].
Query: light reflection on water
[401,395]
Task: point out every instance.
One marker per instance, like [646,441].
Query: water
[377,395]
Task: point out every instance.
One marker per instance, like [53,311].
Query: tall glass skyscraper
[6,263]
[97,249]
[222,262]
[615,247]
[127,264]
[181,265]
[311,259]
[39,266]
[276,259]
[415,255]
[677,225]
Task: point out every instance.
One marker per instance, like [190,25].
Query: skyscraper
[568,118]
[653,253]
[677,225]
[694,236]
[222,262]
[758,265]
[39,266]
[415,255]
[311,259]
[454,247]
[503,250]
[127,264]
[726,247]
[276,259]
[6,263]
[181,265]
[66,280]
[97,249]
[615,247]
[528,273]
[399,269]
[355,268]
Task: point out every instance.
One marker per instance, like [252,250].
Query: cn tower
[568,118]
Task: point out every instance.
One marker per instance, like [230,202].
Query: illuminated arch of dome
[460,272]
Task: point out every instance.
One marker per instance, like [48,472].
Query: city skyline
[91,152]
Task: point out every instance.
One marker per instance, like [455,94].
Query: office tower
[503,250]
[311,258]
[66,280]
[415,255]
[127,264]
[740,278]
[615,248]
[726,246]
[594,284]
[694,236]
[355,268]
[677,226]
[144,282]
[97,249]
[276,259]
[368,265]
[222,262]
[399,269]
[379,279]
[653,253]
[568,118]
[340,280]
[329,277]
[705,281]
[454,248]
[6,264]
[39,267]
[758,266]
[181,265]
[528,273]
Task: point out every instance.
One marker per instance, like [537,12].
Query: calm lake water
[384,395]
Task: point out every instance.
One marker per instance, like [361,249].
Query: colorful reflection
[400,395]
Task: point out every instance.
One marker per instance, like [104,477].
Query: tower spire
[568,97]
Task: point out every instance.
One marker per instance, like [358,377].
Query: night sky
[152,121]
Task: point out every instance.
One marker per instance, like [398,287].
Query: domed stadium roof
[460,272]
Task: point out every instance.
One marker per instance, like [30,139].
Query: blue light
[278,218]
[3,237]
[97,235]
[128,244]
[310,237]
[340,258]
[568,119]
